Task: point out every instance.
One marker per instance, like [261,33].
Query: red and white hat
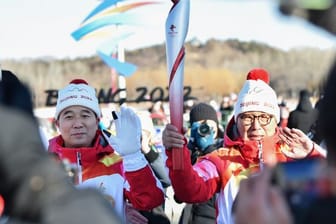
[257,95]
[77,93]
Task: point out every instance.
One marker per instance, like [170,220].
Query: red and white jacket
[221,171]
[100,167]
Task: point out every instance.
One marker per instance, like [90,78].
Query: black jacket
[304,116]
[201,213]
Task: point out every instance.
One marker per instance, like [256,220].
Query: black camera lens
[204,129]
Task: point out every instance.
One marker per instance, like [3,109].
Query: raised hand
[128,132]
[127,141]
[298,141]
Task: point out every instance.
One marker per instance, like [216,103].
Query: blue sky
[37,28]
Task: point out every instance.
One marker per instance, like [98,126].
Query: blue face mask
[202,135]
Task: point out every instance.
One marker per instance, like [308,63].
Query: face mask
[201,135]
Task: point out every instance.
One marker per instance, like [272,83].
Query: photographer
[205,132]
[205,137]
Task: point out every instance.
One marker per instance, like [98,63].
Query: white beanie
[77,93]
[257,95]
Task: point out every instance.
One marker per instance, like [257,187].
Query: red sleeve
[2,205]
[196,183]
[145,192]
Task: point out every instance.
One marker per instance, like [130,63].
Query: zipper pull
[260,156]
[79,168]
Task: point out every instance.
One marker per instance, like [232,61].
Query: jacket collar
[100,147]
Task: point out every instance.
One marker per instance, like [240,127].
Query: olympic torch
[176,31]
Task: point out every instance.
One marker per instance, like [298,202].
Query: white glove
[127,141]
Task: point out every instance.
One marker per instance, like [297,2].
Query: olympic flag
[176,31]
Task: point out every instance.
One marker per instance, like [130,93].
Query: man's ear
[100,126]
[56,123]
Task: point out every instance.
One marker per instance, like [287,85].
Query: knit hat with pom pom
[77,93]
[257,95]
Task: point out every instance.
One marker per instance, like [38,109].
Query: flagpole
[121,79]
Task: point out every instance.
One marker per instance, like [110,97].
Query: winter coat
[199,213]
[221,171]
[101,167]
[304,116]
[205,212]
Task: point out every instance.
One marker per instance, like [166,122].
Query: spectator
[304,116]
[154,157]
[158,113]
[284,114]
[205,133]
[252,139]
[226,109]
[151,148]
[204,139]
[112,164]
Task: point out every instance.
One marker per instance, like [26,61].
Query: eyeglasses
[248,119]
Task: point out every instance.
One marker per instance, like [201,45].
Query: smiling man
[112,164]
[252,139]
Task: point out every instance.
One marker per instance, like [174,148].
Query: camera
[204,129]
[301,181]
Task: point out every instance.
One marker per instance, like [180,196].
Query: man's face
[78,126]
[254,125]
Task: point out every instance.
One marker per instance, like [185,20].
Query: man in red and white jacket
[113,164]
[252,140]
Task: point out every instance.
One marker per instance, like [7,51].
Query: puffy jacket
[101,167]
[222,170]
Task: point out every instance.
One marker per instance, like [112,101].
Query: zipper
[260,155]
[79,168]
